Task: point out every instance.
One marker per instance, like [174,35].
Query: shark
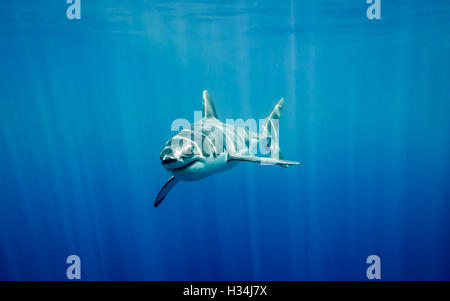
[210,146]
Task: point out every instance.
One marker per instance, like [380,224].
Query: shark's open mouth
[184,166]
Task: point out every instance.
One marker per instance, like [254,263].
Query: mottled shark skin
[210,146]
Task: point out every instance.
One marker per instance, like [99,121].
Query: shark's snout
[178,153]
[172,163]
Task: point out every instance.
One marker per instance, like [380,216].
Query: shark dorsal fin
[209,111]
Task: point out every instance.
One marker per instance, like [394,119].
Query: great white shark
[210,146]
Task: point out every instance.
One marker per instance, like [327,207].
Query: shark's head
[180,153]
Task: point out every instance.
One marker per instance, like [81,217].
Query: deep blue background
[86,105]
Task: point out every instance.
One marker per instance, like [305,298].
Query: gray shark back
[213,137]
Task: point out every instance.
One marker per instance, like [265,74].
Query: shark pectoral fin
[263,160]
[165,190]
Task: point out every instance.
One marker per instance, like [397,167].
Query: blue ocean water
[86,106]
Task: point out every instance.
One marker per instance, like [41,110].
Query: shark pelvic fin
[165,190]
[209,111]
[262,160]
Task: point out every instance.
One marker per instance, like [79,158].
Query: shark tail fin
[270,131]
[276,110]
